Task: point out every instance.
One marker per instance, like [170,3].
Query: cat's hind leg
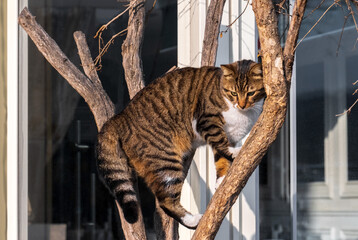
[167,184]
[171,206]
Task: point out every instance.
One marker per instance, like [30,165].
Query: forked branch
[90,88]
[267,127]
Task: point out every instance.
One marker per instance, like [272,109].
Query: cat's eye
[234,93]
[250,94]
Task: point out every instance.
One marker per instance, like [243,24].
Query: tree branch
[92,92]
[89,88]
[212,28]
[265,130]
[132,48]
[292,36]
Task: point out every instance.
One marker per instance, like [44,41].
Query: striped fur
[165,123]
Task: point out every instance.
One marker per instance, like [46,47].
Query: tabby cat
[159,130]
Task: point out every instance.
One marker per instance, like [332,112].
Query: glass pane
[310,116]
[326,144]
[352,77]
[66,199]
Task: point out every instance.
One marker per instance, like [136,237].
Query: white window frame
[16,123]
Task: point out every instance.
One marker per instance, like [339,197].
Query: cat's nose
[241,104]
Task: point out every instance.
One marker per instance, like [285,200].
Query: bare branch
[229,26]
[351,12]
[152,8]
[132,48]
[318,6]
[90,71]
[102,51]
[348,111]
[292,36]
[93,93]
[340,37]
[89,88]
[334,3]
[85,56]
[212,28]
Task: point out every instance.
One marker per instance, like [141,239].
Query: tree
[277,68]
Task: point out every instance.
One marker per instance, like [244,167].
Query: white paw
[234,151]
[191,221]
[219,181]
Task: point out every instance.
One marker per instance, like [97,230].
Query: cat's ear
[228,70]
[256,69]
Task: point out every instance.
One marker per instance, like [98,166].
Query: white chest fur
[239,122]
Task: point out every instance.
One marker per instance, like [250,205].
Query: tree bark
[292,36]
[132,48]
[270,121]
[90,88]
[211,34]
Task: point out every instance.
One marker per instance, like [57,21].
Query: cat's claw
[219,181]
[191,221]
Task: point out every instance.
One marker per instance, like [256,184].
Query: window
[326,143]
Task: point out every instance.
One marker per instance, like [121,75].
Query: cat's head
[242,83]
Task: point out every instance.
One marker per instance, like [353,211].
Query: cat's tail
[113,166]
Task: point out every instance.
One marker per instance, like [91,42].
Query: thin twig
[334,3]
[340,37]
[284,31]
[348,111]
[283,10]
[105,48]
[350,108]
[280,5]
[172,69]
[150,10]
[99,33]
[229,26]
[104,27]
[351,12]
[318,6]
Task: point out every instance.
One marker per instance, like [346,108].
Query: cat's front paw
[191,221]
[219,181]
[234,151]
